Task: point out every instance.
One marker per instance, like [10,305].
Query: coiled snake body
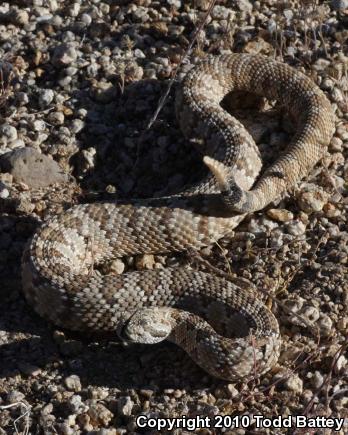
[59,279]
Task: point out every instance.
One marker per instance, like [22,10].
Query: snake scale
[225,329]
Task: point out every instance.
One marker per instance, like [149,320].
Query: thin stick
[172,80]
[25,415]
[176,70]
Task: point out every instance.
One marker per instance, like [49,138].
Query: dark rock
[29,166]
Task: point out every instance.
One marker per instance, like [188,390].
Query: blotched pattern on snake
[180,304]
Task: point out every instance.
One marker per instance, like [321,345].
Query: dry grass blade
[25,415]
[163,98]
[324,385]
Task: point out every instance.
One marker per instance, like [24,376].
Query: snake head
[147,326]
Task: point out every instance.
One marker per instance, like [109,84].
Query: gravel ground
[86,79]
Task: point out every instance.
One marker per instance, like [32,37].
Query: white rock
[317,379]
[294,383]
[341,363]
[325,324]
[73,383]
[296,228]
[39,125]
[8,133]
[221,13]
[125,405]
[339,5]
[4,192]
[46,97]
[312,198]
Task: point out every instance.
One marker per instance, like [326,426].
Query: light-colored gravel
[86,78]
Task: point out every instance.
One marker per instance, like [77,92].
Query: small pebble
[115,267]
[244,5]
[56,118]
[280,215]
[336,144]
[146,261]
[64,55]
[46,97]
[310,313]
[221,12]
[125,405]
[76,125]
[325,324]
[73,383]
[294,383]
[341,363]
[4,192]
[339,5]
[19,17]
[296,228]
[8,133]
[312,198]
[14,396]
[76,404]
[39,125]
[317,379]
[100,414]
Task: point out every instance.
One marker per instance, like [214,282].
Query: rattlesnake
[62,284]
